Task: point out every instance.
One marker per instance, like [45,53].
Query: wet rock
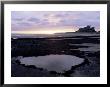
[30,66]
[17,61]
[53,72]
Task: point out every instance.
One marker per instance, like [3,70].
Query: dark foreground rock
[45,46]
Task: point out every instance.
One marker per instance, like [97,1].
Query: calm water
[57,63]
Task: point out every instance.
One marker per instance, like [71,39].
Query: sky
[50,22]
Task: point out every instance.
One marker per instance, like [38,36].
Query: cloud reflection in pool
[58,63]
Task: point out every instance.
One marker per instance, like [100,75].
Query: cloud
[52,19]
[17,19]
[26,19]
[34,20]
[24,24]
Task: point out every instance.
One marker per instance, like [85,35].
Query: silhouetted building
[88,28]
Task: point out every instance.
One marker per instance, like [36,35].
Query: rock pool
[58,63]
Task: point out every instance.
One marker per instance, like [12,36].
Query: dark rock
[67,73]
[31,66]
[53,72]
[17,61]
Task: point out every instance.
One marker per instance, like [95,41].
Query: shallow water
[58,63]
[91,47]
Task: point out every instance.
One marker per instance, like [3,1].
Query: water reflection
[58,63]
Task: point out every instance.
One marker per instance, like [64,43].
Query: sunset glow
[44,31]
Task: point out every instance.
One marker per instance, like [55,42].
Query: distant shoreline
[67,34]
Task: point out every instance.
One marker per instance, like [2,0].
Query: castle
[88,28]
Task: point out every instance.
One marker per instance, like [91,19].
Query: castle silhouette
[88,28]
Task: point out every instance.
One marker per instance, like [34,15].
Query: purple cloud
[34,20]
[24,24]
[26,19]
[17,19]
